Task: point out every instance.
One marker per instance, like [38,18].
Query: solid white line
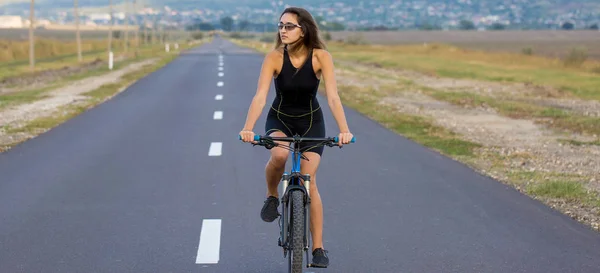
[218,115]
[219,97]
[220,84]
[215,149]
[221,74]
[210,242]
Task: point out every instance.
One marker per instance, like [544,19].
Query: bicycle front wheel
[297,229]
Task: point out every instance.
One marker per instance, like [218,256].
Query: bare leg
[316,207]
[275,166]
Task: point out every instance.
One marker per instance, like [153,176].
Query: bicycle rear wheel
[297,229]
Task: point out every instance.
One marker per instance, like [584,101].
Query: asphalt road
[131,185]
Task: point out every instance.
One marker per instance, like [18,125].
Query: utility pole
[126,26]
[31,39]
[110,34]
[137,27]
[77,35]
[154,24]
[146,32]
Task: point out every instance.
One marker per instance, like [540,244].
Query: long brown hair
[312,38]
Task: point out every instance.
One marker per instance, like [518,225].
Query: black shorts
[306,126]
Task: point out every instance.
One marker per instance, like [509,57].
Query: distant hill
[176,4]
[424,14]
[55,4]
[479,5]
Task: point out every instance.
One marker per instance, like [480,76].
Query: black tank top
[296,89]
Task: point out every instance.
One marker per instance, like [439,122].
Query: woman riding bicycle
[297,67]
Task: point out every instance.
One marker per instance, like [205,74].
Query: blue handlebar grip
[256,137]
[336,139]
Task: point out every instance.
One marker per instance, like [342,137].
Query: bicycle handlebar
[292,139]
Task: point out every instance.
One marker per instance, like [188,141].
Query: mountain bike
[295,198]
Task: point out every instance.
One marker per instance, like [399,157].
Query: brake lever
[269,144]
[258,143]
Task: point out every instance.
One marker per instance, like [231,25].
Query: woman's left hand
[344,138]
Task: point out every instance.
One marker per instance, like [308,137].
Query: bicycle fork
[283,223]
[307,217]
[283,220]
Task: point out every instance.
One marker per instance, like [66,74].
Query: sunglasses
[288,26]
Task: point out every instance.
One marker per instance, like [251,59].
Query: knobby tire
[297,231]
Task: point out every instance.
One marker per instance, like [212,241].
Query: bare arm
[262,89]
[333,98]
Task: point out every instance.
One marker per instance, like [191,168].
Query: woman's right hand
[247,135]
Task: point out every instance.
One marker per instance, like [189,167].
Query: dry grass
[22,34]
[26,95]
[549,43]
[508,60]
[50,54]
[552,117]
[417,128]
[55,48]
[448,61]
[17,52]
[58,53]
[452,62]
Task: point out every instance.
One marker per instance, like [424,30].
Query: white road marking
[219,97]
[220,84]
[221,68]
[221,64]
[215,149]
[221,74]
[210,242]
[218,115]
